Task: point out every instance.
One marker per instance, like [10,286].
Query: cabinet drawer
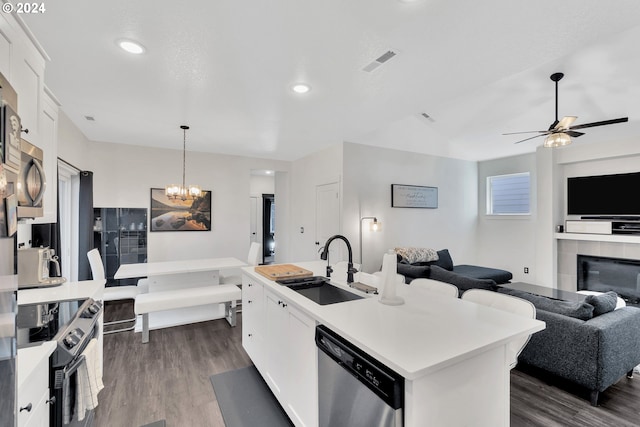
[39,414]
[31,391]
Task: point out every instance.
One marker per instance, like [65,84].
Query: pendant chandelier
[182,192]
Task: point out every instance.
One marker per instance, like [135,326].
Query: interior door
[328,218]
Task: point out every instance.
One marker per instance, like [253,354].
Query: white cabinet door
[253,319]
[302,368]
[275,343]
[32,397]
[291,368]
[49,145]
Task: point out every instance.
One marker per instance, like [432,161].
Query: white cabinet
[291,356]
[48,142]
[33,386]
[302,368]
[280,339]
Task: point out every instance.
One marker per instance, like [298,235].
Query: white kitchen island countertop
[427,333]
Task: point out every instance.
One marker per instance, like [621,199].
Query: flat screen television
[604,195]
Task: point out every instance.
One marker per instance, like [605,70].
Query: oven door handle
[71,368]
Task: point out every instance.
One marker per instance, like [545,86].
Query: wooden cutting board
[282,271]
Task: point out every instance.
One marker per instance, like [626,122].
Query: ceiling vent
[379,61]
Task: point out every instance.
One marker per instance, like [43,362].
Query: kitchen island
[452,353]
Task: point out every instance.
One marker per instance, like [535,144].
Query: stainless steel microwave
[32,182]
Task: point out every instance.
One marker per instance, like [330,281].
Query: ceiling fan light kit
[560,132]
[557,140]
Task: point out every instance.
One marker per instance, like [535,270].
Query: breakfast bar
[449,351]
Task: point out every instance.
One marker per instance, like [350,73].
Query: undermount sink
[319,290]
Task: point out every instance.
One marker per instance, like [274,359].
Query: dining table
[180,274]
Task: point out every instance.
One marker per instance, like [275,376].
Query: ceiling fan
[560,132]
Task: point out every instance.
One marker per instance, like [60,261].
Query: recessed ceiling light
[268,172]
[131,46]
[301,88]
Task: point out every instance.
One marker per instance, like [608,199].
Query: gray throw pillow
[462,282]
[578,310]
[602,303]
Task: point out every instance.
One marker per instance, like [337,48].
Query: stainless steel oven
[72,325]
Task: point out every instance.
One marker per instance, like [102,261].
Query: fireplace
[602,274]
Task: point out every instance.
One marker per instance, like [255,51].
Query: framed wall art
[414,196]
[180,215]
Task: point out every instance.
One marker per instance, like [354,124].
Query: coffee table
[545,291]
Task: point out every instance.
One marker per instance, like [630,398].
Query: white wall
[319,168]
[124,174]
[507,242]
[368,175]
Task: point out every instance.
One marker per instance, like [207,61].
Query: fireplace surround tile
[612,249]
[568,250]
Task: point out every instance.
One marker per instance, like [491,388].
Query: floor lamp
[374,225]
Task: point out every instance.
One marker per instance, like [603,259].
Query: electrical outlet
[526,270]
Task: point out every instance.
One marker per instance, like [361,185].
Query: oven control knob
[73,338]
[70,341]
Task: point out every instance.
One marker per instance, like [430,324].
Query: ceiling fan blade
[602,123]
[529,131]
[526,139]
[574,133]
[553,125]
[565,122]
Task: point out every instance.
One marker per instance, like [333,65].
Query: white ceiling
[225,67]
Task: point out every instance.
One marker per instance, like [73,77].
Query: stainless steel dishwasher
[354,389]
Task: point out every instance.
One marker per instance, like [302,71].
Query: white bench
[191,297]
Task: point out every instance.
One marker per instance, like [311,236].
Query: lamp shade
[557,140]
[375,225]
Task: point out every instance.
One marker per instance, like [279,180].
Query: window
[508,194]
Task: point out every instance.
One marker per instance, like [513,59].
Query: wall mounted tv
[604,195]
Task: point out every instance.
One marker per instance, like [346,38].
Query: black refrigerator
[8,309]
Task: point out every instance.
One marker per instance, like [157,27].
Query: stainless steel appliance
[32,182]
[33,268]
[353,388]
[72,324]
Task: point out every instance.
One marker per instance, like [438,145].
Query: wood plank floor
[168,379]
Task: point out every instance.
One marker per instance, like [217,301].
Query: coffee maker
[33,268]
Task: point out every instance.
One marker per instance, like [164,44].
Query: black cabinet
[120,234]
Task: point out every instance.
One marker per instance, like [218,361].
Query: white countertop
[149,269]
[30,357]
[66,292]
[423,335]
